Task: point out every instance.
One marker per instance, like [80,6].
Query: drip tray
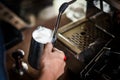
[81,34]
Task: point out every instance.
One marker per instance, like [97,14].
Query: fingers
[48,47]
[55,49]
[58,52]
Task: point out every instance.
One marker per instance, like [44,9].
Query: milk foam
[42,35]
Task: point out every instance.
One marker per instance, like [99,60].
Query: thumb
[48,47]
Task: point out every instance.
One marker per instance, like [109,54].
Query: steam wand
[61,10]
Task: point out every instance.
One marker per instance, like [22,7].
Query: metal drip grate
[83,33]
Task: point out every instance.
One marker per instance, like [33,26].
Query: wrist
[47,74]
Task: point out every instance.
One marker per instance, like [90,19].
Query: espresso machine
[105,65]
[94,41]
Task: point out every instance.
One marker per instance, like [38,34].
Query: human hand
[53,63]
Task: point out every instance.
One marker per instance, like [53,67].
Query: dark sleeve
[3,69]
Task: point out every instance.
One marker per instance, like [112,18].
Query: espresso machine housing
[105,65]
